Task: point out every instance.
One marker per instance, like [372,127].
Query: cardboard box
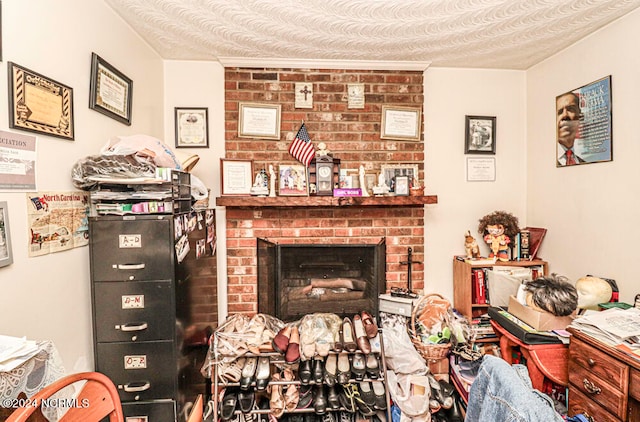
[396,305]
[541,321]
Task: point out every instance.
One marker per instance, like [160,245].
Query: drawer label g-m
[130,241]
[135,361]
[132,301]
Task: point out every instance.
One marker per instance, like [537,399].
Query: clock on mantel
[324,172]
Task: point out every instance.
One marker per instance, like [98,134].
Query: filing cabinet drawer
[132,248]
[151,411]
[140,371]
[134,311]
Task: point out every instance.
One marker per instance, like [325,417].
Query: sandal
[231,372]
[291,395]
[276,401]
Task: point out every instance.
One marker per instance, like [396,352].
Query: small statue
[471,246]
[322,150]
[498,229]
[272,181]
[363,185]
[381,188]
[261,183]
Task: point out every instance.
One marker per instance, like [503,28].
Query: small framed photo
[392,171]
[111,91]
[480,135]
[39,104]
[236,176]
[6,255]
[402,185]
[192,127]
[259,121]
[292,180]
[400,123]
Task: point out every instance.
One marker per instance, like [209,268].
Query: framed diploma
[481,169]
[39,104]
[192,127]
[236,176]
[259,121]
[6,255]
[110,91]
[401,123]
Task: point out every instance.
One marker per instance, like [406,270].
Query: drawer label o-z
[135,362]
[130,241]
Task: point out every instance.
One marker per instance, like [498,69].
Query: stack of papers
[14,351]
[613,326]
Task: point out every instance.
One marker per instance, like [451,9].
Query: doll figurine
[498,228]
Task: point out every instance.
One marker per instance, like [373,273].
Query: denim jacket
[503,393]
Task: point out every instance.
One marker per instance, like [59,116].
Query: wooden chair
[98,393]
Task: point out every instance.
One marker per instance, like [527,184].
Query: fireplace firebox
[298,279]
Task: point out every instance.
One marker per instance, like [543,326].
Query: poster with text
[17,161]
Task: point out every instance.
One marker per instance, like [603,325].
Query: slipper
[281,340]
[370,326]
[229,402]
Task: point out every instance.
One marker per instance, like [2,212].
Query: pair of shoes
[330,370]
[246,400]
[367,394]
[231,372]
[248,372]
[229,402]
[292,355]
[370,326]
[358,366]
[362,340]
[362,406]
[381,397]
[346,397]
[348,336]
[320,400]
[373,366]
[344,368]
[281,340]
[263,373]
[305,373]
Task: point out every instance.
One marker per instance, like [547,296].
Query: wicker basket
[430,352]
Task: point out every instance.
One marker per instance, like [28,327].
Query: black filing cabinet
[139,311]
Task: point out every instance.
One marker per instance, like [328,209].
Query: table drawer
[579,403]
[134,311]
[601,366]
[598,390]
[140,371]
[131,248]
[634,384]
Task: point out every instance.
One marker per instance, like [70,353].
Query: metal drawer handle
[591,387]
[131,266]
[591,362]
[135,387]
[134,326]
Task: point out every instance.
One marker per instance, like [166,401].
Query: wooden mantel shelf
[325,201]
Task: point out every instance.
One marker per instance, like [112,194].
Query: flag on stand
[301,148]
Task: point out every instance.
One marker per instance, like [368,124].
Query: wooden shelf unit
[325,201]
[463,284]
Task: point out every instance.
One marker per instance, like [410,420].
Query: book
[525,243]
[536,235]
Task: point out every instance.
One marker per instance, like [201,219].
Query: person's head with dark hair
[568,116]
[552,294]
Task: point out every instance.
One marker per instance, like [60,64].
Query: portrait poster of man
[583,124]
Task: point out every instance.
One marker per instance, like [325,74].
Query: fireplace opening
[298,279]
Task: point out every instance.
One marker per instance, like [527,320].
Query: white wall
[450,94]
[591,210]
[49,297]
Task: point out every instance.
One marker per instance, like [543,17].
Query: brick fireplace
[353,135]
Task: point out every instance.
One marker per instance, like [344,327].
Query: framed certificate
[39,104]
[401,123]
[192,127]
[110,91]
[6,255]
[259,121]
[236,176]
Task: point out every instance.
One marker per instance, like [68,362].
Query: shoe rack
[278,363]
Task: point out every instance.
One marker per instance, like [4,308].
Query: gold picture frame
[259,120]
[39,104]
[111,91]
[401,123]
[192,127]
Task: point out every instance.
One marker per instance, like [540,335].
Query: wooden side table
[543,360]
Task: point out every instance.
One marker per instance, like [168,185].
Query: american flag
[301,148]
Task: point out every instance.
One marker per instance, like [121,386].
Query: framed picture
[259,121]
[111,91]
[292,180]
[392,171]
[583,124]
[481,169]
[401,123]
[39,104]
[6,256]
[192,127]
[236,176]
[480,135]
[402,185]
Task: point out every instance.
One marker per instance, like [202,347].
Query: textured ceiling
[505,34]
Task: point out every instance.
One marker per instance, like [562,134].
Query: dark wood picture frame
[111,91]
[192,127]
[39,104]
[480,135]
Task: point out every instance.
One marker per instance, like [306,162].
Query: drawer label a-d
[135,362]
[130,241]
[132,301]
